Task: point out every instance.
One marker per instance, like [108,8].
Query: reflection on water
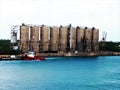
[61,73]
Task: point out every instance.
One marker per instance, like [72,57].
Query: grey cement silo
[24,38]
[95,44]
[73,39]
[80,38]
[13,37]
[44,38]
[88,35]
[34,38]
[63,38]
[54,38]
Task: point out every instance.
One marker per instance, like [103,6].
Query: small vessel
[31,56]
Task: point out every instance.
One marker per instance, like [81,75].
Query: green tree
[110,46]
[5,47]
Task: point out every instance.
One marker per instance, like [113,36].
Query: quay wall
[80,54]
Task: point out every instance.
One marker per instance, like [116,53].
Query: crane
[104,36]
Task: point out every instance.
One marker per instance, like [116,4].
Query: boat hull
[33,58]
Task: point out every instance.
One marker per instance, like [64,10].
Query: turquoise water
[61,73]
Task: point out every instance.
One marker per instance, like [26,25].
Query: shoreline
[69,54]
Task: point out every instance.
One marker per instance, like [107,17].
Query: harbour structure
[53,39]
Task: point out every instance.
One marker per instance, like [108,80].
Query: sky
[101,14]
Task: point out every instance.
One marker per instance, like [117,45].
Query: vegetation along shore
[106,49]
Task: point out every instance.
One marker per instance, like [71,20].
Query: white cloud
[102,14]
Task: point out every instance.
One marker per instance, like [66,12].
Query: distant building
[53,39]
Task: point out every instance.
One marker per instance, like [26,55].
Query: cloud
[102,14]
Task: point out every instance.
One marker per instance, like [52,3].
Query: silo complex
[53,39]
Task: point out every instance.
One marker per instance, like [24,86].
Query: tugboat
[31,56]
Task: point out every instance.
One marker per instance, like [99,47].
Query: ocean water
[61,73]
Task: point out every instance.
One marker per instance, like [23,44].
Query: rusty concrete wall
[44,38]
[63,38]
[73,39]
[24,38]
[54,38]
[34,38]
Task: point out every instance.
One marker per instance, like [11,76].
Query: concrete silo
[73,39]
[24,38]
[88,35]
[13,37]
[34,39]
[80,38]
[44,38]
[95,38]
[13,41]
[54,39]
[63,38]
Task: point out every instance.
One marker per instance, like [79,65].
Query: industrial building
[49,39]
